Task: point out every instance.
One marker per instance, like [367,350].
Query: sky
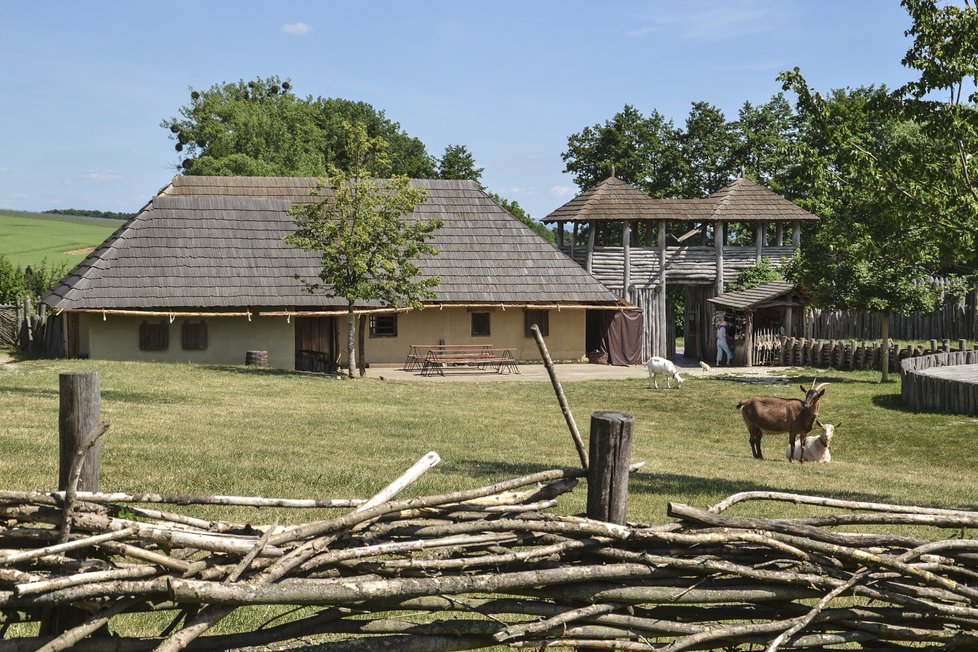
[85,85]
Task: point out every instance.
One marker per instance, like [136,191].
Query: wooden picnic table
[442,357]
[418,352]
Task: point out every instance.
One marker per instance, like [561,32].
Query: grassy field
[28,238]
[236,430]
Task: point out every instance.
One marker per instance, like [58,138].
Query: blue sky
[84,85]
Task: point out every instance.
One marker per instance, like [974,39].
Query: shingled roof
[217,242]
[748,300]
[741,201]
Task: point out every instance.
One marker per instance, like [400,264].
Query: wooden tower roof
[741,201]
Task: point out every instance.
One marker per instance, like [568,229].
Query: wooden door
[314,344]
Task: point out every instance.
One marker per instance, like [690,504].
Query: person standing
[723,345]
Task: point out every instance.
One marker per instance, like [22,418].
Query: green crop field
[29,238]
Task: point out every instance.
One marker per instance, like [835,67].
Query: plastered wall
[229,338]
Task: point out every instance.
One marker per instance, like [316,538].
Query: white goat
[817,448]
[664,367]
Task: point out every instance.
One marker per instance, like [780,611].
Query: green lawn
[28,238]
[236,430]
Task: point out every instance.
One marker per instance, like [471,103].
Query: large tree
[261,128]
[641,150]
[367,245]
[877,243]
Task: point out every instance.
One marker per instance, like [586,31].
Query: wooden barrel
[256,358]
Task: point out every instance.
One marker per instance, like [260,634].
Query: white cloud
[297,29]
[560,192]
[95,176]
[707,21]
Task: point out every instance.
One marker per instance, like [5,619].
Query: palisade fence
[32,329]
[953,321]
[773,349]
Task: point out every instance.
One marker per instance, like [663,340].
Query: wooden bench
[468,356]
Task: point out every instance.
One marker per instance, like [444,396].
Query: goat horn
[813,383]
[820,386]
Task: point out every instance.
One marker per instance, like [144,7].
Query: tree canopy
[261,128]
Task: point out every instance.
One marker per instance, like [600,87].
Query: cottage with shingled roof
[202,274]
[627,249]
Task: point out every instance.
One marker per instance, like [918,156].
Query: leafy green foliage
[261,128]
[458,163]
[756,275]
[641,150]
[367,249]
[34,281]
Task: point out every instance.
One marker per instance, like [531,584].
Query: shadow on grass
[267,371]
[672,484]
[30,391]
[665,484]
[144,397]
[793,380]
[892,402]
[495,469]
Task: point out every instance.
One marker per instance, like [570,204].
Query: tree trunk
[351,341]
[885,361]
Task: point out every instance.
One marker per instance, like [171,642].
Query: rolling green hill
[28,238]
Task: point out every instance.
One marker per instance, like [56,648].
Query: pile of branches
[487,567]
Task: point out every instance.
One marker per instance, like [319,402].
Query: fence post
[77,419]
[610,449]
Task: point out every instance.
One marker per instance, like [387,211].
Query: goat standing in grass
[771,415]
[665,368]
[816,450]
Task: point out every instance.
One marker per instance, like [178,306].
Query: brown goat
[771,415]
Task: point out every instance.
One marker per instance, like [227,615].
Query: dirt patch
[79,252]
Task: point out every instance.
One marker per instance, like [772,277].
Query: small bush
[16,282]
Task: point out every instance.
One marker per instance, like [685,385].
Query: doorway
[314,344]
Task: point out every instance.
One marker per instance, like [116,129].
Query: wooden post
[661,328]
[796,233]
[560,235]
[610,449]
[760,230]
[749,340]
[78,419]
[719,235]
[788,317]
[779,234]
[592,233]
[626,242]
[573,241]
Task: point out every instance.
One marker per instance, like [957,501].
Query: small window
[539,317]
[154,336]
[383,326]
[480,324]
[193,336]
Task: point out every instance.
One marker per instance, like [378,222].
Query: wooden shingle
[218,242]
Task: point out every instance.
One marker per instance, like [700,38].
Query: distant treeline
[111,215]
